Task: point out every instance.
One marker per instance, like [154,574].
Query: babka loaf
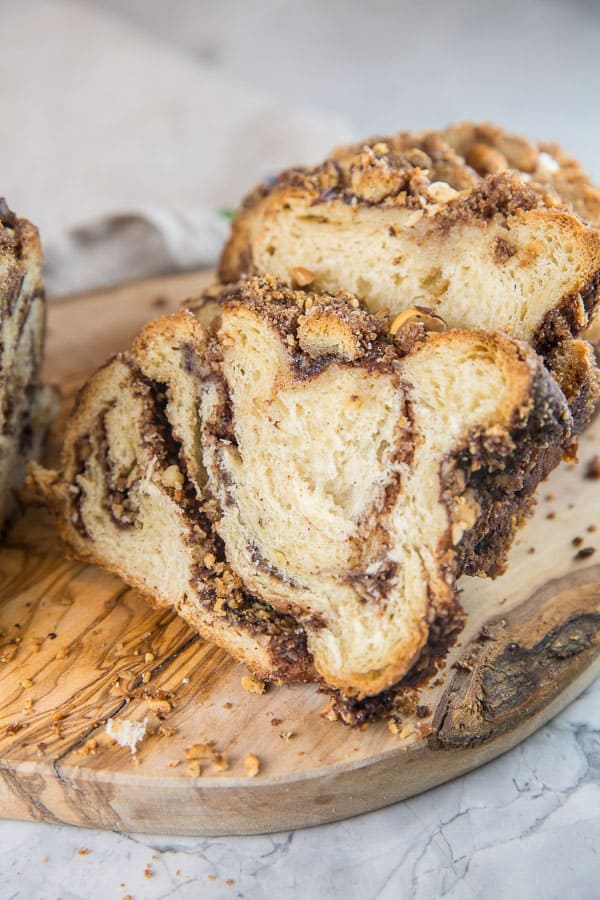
[304,487]
[23,403]
[469,223]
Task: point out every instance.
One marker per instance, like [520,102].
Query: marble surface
[524,827]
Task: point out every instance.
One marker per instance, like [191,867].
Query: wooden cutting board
[77,647]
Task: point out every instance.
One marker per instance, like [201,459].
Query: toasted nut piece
[302,276]
[430,320]
[441,192]
[251,765]
[172,477]
[253,685]
[486,160]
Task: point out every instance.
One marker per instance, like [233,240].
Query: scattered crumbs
[551,515]
[26,683]
[253,685]
[531,550]
[584,553]
[392,727]
[185,680]
[166,731]
[28,706]
[154,856]
[174,763]
[276,722]
[229,882]
[212,877]
[363,726]
[301,753]
[53,635]
[228,705]
[62,653]
[287,735]
[159,302]
[328,712]
[194,769]
[570,506]
[148,873]
[251,765]
[89,748]
[200,751]
[149,657]
[407,730]
[44,859]
[161,708]
[577,541]
[83,852]
[592,469]
[36,647]
[146,676]
[220,762]
[550,497]
[591,529]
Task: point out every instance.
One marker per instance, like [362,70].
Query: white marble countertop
[524,827]
[527,825]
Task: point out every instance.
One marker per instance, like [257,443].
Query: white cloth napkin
[123,149]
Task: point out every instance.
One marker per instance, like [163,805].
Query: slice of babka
[471,224]
[303,486]
[24,405]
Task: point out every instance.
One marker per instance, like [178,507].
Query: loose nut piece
[302,276]
[422,314]
[251,765]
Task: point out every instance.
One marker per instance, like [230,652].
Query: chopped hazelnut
[253,685]
[251,765]
[302,276]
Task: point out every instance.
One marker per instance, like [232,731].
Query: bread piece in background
[472,223]
[25,406]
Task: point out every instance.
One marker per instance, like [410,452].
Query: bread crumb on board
[251,765]
[126,732]
[253,685]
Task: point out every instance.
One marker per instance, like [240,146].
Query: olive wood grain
[78,647]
